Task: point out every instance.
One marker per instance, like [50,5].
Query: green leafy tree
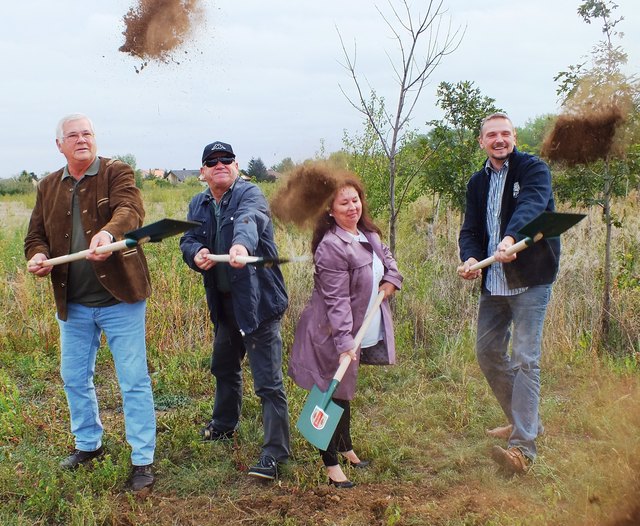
[27,177]
[19,184]
[284,166]
[340,159]
[130,159]
[590,86]
[257,170]
[456,138]
[422,40]
[531,136]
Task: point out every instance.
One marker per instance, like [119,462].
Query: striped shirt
[496,282]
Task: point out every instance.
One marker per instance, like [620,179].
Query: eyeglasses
[210,163]
[75,137]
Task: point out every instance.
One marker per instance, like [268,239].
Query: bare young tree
[423,40]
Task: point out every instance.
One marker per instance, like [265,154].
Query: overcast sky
[263,75]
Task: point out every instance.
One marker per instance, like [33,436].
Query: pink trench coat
[342,290]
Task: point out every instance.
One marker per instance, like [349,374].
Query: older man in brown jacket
[91,202]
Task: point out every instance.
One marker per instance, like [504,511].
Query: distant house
[180,176]
[153,173]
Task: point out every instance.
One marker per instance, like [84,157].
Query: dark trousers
[341,439]
[264,350]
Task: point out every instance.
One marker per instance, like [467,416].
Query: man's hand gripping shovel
[151,233]
[546,225]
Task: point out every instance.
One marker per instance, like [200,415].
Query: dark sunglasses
[210,163]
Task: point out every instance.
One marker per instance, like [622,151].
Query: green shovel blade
[319,418]
[160,230]
[550,224]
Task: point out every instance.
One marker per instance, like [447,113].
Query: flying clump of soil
[581,138]
[306,193]
[592,127]
[154,29]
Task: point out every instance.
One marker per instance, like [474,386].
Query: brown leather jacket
[108,201]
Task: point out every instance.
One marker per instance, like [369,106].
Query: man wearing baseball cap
[246,302]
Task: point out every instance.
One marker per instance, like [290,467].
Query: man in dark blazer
[510,190]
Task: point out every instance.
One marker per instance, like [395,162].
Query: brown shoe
[502,433]
[511,460]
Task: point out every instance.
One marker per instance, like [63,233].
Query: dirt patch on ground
[366,504]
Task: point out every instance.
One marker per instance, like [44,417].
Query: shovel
[320,416]
[147,234]
[259,261]
[547,225]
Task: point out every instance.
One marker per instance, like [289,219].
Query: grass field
[421,422]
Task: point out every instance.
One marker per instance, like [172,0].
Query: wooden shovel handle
[344,363]
[111,247]
[513,249]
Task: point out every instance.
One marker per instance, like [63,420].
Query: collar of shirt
[211,199]
[489,169]
[347,237]
[92,170]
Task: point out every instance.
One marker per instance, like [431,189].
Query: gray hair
[69,118]
[496,115]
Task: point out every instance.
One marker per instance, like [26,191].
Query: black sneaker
[209,433]
[141,478]
[80,457]
[266,468]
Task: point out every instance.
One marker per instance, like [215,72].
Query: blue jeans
[264,350]
[514,378]
[124,327]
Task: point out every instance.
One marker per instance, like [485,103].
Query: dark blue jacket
[258,293]
[527,193]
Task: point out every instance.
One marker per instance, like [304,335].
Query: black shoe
[266,468]
[209,433]
[80,457]
[360,465]
[343,484]
[141,478]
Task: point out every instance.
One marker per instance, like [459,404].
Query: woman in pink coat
[351,266]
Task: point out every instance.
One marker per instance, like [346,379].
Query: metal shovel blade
[319,418]
[154,232]
[550,224]
[160,230]
[546,225]
[270,262]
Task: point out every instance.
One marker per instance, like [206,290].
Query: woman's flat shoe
[343,484]
[360,465]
